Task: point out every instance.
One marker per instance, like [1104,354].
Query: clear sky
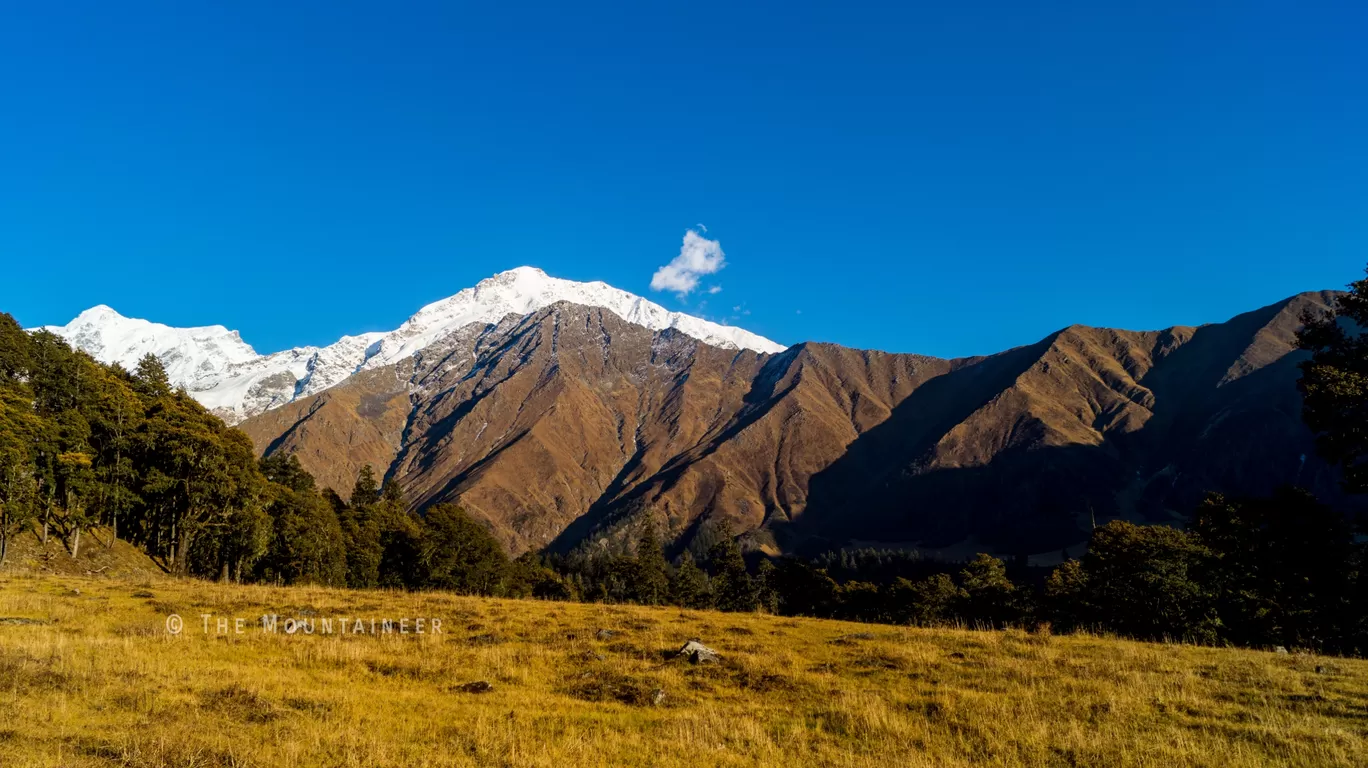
[947,178]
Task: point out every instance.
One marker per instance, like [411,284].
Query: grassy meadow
[89,676]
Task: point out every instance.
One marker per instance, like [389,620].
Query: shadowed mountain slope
[570,427]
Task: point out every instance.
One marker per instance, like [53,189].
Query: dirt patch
[602,685]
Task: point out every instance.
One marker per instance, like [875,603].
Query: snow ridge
[227,376]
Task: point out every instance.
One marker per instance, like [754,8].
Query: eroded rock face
[571,427]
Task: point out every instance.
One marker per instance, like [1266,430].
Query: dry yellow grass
[101,683]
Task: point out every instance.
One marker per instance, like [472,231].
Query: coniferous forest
[90,452]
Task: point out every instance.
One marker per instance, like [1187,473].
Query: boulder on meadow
[698,653]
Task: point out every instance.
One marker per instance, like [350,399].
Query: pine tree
[651,579]
[19,428]
[287,471]
[150,379]
[766,587]
[689,585]
[117,416]
[15,355]
[366,491]
[732,587]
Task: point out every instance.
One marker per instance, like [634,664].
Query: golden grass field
[100,682]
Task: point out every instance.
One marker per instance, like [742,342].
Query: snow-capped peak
[225,374]
[187,353]
[525,290]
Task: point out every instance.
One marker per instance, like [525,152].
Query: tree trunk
[113,528]
[76,543]
[182,553]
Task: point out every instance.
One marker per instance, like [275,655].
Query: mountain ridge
[228,376]
[569,428]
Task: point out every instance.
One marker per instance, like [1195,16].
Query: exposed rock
[604,634]
[478,686]
[657,696]
[1278,649]
[698,653]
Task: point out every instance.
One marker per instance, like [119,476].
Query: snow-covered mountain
[224,373]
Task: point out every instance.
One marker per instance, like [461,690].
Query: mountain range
[227,376]
[567,415]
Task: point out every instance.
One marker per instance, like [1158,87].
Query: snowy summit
[224,373]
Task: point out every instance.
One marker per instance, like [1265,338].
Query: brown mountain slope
[570,427]
[1102,423]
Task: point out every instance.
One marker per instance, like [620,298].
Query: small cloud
[698,256]
[715,289]
[738,311]
[797,311]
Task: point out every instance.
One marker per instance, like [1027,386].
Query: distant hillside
[570,426]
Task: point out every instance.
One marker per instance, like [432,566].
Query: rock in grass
[657,696]
[19,621]
[478,686]
[698,653]
[604,634]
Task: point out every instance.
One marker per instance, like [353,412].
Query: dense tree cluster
[85,445]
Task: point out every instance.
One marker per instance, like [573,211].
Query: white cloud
[715,289]
[697,256]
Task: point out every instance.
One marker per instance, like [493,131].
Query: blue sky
[943,178]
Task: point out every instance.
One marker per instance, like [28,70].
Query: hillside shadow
[877,461]
[1208,433]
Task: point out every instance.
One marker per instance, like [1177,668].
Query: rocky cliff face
[571,426]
